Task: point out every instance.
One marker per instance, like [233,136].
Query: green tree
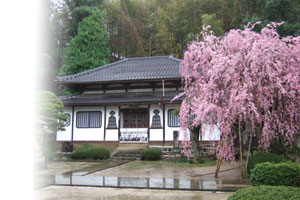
[89,48]
[215,24]
[50,110]
[277,11]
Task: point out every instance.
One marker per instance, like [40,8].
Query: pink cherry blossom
[254,77]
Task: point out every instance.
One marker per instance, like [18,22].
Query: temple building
[128,101]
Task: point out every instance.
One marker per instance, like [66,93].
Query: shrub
[276,174]
[151,154]
[263,157]
[266,192]
[88,151]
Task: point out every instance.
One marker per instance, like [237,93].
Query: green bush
[266,192]
[276,174]
[262,157]
[151,154]
[88,151]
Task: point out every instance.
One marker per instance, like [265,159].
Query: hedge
[261,158]
[151,154]
[276,174]
[88,151]
[266,192]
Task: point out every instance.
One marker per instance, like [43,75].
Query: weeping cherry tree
[246,77]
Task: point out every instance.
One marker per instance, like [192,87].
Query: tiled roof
[129,69]
[119,98]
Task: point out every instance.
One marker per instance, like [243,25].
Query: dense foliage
[246,77]
[155,27]
[276,174]
[266,192]
[88,151]
[151,154]
[263,157]
[50,110]
[89,48]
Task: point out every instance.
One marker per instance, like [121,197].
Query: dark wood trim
[108,104]
[149,124]
[119,124]
[104,123]
[72,128]
[164,125]
[114,81]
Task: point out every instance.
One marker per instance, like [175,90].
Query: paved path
[159,169]
[91,193]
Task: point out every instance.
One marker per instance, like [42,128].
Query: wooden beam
[104,123]
[119,125]
[72,128]
[164,125]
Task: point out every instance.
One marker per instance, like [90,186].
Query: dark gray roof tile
[129,69]
[119,98]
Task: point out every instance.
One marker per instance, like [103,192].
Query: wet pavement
[47,176]
[137,175]
[96,193]
[149,183]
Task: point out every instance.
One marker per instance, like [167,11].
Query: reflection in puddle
[147,183]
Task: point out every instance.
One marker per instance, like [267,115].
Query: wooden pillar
[72,127]
[119,124]
[164,125]
[149,122]
[104,123]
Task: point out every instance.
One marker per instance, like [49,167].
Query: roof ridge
[128,93]
[146,57]
[71,76]
[174,58]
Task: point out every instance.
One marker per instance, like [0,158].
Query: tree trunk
[195,145]
[218,168]
[241,149]
[248,153]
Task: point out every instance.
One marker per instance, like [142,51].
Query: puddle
[96,168]
[147,183]
[81,178]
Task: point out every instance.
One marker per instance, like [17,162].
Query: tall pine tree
[89,48]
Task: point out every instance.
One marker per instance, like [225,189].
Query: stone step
[135,145]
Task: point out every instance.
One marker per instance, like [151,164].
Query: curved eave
[122,81]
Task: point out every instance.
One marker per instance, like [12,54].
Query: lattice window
[173,120]
[89,119]
[156,123]
[135,118]
[112,122]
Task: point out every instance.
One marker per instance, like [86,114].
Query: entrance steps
[129,151]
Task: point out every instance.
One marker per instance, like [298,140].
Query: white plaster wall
[114,91]
[166,89]
[66,135]
[88,134]
[112,134]
[169,130]
[210,133]
[156,134]
[140,90]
